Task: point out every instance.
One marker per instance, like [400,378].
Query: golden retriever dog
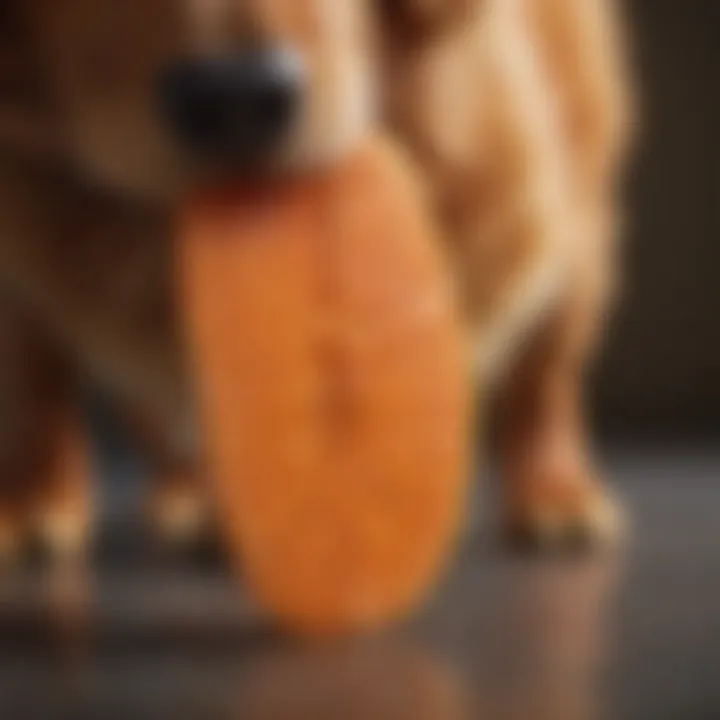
[515,111]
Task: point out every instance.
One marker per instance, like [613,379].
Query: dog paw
[564,513]
[181,524]
[62,533]
[179,516]
[56,532]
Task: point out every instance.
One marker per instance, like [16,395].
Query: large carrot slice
[332,384]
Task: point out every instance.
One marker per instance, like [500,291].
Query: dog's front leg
[178,507]
[44,473]
[552,490]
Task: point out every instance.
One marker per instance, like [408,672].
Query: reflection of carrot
[331,376]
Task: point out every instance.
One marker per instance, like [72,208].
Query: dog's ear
[420,20]
[24,123]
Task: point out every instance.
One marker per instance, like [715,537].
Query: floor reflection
[553,640]
[507,640]
[384,680]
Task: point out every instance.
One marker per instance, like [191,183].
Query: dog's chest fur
[98,273]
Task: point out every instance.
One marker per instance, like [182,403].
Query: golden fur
[519,111]
[515,110]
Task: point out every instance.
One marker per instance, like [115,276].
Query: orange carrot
[331,375]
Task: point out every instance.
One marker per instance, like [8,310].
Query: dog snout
[236,108]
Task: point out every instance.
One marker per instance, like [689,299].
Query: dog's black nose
[234,108]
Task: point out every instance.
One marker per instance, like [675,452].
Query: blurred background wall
[660,374]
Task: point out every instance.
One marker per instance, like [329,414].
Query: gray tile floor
[634,636]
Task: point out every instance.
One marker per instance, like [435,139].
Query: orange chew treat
[333,390]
